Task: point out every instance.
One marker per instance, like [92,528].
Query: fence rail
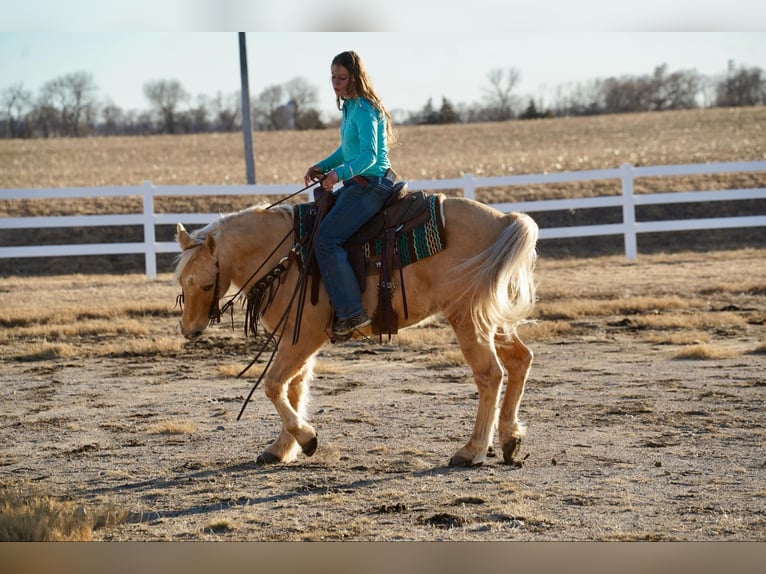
[627,173]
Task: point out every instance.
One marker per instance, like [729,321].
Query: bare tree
[742,87]
[266,108]
[71,95]
[628,94]
[113,117]
[165,96]
[226,111]
[674,91]
[499,95]
[304,98]
[580,99]
[682,89]
[199,115]
[16,103]
[45,119]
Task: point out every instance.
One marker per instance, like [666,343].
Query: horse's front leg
[286,448]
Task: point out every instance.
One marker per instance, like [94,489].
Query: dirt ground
[625,440]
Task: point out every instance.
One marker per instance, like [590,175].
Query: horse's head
[199,276]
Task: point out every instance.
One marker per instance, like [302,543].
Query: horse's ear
[183,237]
[210,244]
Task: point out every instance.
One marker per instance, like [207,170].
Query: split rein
[255,297]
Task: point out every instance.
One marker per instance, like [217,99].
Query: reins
[257,291]
[230,302]
[299,292]
[274,276]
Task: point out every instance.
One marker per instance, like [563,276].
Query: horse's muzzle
[192,334]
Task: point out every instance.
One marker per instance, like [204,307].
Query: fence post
[468,186]
[628,212]
[149,238]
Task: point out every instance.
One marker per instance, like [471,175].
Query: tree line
[69,106]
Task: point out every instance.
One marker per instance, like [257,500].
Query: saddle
[377,247]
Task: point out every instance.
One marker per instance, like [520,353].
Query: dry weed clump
[45,351]
[692,337]
[544,330]
[707,352]
[141,347]
[234,369]
[697,321]
[591,307]
[434,333]
[171,427]
[67,331]
[27,516]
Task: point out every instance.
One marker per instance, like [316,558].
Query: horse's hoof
[460,461]
[511,450]
[266,458]
[310,447]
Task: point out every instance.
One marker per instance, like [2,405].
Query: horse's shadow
[258,471]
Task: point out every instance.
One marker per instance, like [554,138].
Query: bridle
[214,312]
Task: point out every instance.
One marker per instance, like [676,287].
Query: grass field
[425,152]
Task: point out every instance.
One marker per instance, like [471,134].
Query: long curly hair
[360,85]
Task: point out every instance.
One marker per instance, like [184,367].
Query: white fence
[629,228]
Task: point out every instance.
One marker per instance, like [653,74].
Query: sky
[408,65]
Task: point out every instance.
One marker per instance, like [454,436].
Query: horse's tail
[499,282]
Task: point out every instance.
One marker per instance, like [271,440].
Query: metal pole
[247,132]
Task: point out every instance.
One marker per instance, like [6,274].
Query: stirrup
[343,328]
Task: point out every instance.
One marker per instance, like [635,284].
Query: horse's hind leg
[488,376]
[286,448]
[517,359]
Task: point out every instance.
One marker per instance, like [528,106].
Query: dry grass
[233,369]
[141,347]
[425,152]
[697,320]
[98,327]
[679,299]
[707,352]
[692,337]
[172,427]
[574,309]
[544,330]
[222,526]
[45,351]
[27,516]
[434,333]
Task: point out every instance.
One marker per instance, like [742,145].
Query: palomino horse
[482,281]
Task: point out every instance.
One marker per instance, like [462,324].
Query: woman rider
[366,132]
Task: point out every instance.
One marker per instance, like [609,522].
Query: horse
[482,281]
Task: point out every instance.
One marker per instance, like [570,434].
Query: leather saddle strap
[310,267]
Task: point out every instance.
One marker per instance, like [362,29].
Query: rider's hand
[312,174]
[330,180]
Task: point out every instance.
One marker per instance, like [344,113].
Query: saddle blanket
[418,243]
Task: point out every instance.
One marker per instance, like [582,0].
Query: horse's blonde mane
[214,228]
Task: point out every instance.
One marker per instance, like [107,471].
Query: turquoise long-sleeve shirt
[363,146]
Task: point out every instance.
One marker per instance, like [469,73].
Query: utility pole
[247,131]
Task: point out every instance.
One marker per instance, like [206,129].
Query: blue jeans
[354,206]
